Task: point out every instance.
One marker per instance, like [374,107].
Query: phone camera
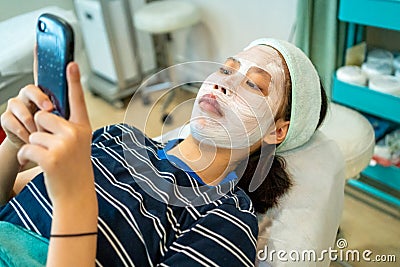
[42,26]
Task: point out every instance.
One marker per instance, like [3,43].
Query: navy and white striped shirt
[150,211]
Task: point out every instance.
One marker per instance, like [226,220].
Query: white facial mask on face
[229,112]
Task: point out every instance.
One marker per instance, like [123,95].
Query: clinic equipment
[112,49]
[161,19]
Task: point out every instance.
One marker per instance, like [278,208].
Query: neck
[211,164]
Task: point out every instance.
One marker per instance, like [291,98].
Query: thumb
[78,111]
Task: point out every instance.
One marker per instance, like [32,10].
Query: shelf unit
[382,14]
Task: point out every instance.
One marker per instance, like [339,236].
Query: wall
[384,38]
[11,8]
[227,26]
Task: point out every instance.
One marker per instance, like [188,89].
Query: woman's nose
[222,89]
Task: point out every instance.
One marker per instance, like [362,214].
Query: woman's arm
[75,216]
[8,173]
[24,177]
[62,149]
[13,177]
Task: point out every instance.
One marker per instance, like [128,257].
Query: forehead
[261,55]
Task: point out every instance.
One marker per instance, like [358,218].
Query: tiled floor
[363,226]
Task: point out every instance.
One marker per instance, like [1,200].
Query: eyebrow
[234,59]
[253,68]
[258,70]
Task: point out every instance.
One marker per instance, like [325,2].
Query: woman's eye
[225,71]
[252,85]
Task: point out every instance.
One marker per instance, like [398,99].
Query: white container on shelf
[380,55]
[397,74]
[352,74]
[396,63]
[388,84]
[374,68]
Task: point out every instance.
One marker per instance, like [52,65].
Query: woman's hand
[17,121]
[62,148]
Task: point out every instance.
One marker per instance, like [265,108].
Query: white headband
[306,93]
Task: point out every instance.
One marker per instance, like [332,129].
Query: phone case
[55,49]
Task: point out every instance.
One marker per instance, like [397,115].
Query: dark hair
[277,182]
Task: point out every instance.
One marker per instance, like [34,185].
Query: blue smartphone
[55,49]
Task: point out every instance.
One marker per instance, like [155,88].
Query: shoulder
[227,204]
[238,209]
[237,200]
[234,211]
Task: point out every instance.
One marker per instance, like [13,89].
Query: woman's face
[236,105]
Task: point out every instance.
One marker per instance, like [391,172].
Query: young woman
[118,198]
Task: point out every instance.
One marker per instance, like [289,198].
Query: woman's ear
[277,135]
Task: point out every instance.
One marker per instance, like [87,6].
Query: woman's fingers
[34,153]
[17,120]
[76,97]
[23,114]
[49,122]
[44,139]
[32,94]
[14,129]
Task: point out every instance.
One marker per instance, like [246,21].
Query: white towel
[306,93]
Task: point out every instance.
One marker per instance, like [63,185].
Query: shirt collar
[162,154]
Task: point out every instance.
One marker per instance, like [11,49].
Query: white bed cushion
[354,135]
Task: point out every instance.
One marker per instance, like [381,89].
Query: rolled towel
[386,84]
[352,74]
[396,63]
[306,93]
[380,55]
[374,68]
[397,73]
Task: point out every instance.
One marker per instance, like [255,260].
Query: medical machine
[111,47]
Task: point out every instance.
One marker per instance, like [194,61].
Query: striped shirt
[151,212]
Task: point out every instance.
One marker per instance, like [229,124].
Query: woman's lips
[209,103]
